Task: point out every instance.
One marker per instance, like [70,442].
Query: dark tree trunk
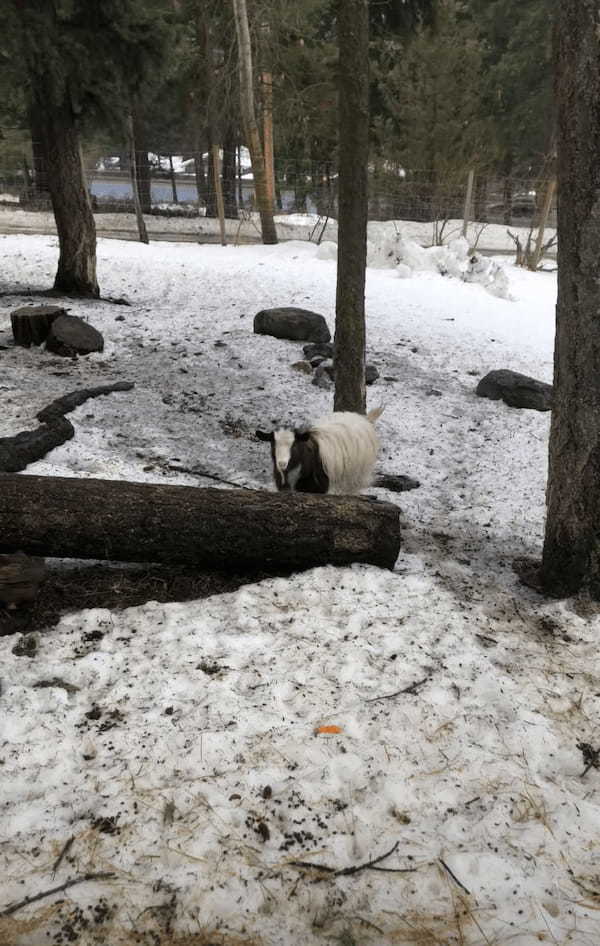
[68,191]
[211,196]
[507,189]
[142,165]
[229,171]
[200,172]
[571,559]
[349,348]
[480,211]
[139,522]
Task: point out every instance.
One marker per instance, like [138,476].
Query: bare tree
[248,110]
[349,349]
[571,559]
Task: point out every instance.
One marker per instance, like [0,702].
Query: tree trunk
[263,202]
[201,184]
[229,169]
[211,196]
[571,559]
[349,345]
[216,166]
[507,189]
[75,225]
[173,179]
[215,528]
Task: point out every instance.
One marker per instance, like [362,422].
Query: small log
[64,517]
[32,323]
[16,453]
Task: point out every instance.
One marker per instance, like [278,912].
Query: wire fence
[183,185]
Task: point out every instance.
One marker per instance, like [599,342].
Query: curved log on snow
[214,528]
[17,452]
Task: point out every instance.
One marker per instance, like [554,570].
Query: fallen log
[63,517]
[19,451]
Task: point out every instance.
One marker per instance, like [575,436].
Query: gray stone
[322,378]
[371,374]
[322,351]
[304,367]
[70,335]
[299,325]
[326,368]
[516,390]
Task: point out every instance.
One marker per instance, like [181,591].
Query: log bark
[571,560]
[225,529]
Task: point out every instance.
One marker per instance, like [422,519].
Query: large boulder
[70,335]
[299,325]
[516,390]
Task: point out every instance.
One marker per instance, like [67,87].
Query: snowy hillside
[174,748]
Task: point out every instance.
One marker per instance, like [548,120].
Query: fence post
[216,163]
[468,202]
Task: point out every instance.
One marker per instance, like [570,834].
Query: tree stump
[31,324]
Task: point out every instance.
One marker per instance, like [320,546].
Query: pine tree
[78,57]
[571,560]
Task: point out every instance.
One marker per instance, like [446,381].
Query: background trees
[76,59]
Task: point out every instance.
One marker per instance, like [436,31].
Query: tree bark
[349,344]
[263,202]
[229,171]
[223,529]
[71,204]
[571,558]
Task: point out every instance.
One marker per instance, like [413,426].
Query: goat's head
[291,455]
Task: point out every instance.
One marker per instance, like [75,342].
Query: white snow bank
[452,259]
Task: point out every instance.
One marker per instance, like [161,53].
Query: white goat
[337,454]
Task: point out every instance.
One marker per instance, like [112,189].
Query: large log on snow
[225,529]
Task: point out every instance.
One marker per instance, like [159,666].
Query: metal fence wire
[183,185]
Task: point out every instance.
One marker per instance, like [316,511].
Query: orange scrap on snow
[328,729]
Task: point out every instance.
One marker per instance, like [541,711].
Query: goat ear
[263,435]
[302,435]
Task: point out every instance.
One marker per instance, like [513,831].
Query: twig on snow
[411,688]
[346,871]
[13,907]
[454,877]
[60,857]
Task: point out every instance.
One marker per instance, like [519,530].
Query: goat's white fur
[348,448]
[284,440]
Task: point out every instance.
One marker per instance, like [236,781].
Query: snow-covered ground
[293,226]
[178,744]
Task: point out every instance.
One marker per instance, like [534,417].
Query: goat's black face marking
[296,461]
